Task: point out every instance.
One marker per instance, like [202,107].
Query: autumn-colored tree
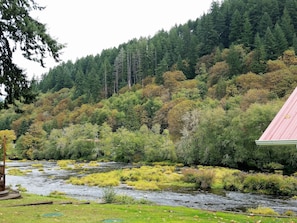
[217,71]
[175,122]
[289,57]
[280,82]
[254,96]
[248,81]
[30,145]
[161,116]
[274,65]
[8,137]
[172,80]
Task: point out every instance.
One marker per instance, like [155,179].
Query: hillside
[198,94]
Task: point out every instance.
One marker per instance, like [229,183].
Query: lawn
[69,210]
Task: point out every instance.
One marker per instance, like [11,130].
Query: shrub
[21,188]
[202,178]
[265,183]
[233,182]
[109,195]
[97,179]
[37,165]
[57,194]
[289,213]
[205,178]
[64,163]
[144,185]
[262,211]
[16,172]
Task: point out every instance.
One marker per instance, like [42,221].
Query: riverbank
[43,177]
[63,209]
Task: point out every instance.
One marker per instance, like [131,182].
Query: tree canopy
[201,93]
[19,31]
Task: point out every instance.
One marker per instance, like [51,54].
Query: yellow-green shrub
[16,172]
[144,185]
[262,211]
[97,179]
[64,163]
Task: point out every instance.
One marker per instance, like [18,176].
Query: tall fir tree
[247,34]
[270,45]
[258,65]
[280,38]
[236,28]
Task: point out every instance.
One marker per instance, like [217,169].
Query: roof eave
[275,142]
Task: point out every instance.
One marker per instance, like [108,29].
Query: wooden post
[4,152]
[2,166]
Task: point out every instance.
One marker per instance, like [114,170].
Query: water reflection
[53,178]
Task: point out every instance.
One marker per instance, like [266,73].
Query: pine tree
[287,26]
[208,36]
[270,45]
[264,23]
[294,42]
[247,34]
[280,38]
[236,28]
[259,57]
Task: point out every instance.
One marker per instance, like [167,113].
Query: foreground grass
[94,212]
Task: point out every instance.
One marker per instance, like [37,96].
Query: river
[52,178]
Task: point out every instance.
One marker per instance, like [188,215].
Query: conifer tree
[287,26]
[236,27]
[247,34]
[270,45]
[282,43]
[259,57]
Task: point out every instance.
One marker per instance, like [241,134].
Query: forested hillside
[254,32]
[200,93]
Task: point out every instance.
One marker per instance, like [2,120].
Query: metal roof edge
[276,142]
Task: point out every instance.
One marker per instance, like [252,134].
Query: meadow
[63,209]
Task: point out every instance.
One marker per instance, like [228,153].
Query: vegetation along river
[52,178]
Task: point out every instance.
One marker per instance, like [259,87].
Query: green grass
[94,212]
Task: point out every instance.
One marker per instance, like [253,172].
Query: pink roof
[283,128]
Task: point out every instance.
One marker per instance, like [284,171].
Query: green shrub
[234,182]
[21,188]
[57,194]
[289,213]
[202,178]
[109,195]
[272,184]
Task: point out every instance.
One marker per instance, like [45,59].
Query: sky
[87,27]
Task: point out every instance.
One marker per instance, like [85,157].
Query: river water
[53,178]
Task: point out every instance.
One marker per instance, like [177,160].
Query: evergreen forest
[198,94]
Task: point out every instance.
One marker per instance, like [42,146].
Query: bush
[233,182]
[144,185]
[109,195]
[262,211]
[16,172]
[203,179]
[63,164]
[272,184]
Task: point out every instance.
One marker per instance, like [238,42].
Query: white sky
[90,26]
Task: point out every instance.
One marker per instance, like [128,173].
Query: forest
[198,94]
